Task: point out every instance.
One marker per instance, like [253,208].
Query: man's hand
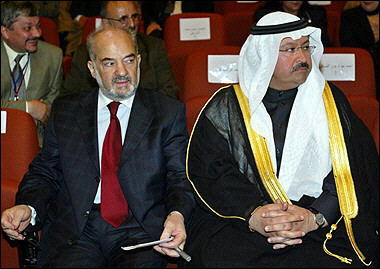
[279,224]
[39,110]
[14,220]
[308,224]
[173,226]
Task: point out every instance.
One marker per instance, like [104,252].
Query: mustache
[32,39]
[121,78]
[300,65]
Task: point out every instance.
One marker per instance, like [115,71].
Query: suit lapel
[5,72]
[37,66]
[87,121]
[140,119]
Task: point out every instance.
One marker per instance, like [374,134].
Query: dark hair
[11,10]
[103,8]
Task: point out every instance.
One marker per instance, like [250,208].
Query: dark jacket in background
[355,31]
[317,15]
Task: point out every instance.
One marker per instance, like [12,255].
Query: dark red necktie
[113,206]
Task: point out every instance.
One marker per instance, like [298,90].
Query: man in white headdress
[285,174]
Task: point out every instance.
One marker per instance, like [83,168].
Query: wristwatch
[318,217]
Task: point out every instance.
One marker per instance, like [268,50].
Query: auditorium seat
[49,31]
[364,83]
[194,105]
[367,109]
[19,145]
[172,33]
[196,81]
[238,26]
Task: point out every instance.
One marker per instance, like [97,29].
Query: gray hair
[11,10]
[93,34]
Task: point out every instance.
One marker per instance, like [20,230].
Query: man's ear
[91,67]
[4,32]
[105,22]
[139,58]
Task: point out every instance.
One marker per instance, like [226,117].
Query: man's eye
[290,49]
[108,64]
[306,48]
[129,60]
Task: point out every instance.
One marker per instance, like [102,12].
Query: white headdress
[306,158]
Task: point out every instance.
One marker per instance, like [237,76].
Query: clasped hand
[283,224]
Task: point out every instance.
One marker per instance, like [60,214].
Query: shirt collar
[12,54]
[104,101]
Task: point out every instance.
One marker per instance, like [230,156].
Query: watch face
[319,219]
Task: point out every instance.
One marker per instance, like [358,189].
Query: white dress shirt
[123,113]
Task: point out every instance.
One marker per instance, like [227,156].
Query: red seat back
[196,72]
[49,31]
[172,33]
[193,107]
[364,83]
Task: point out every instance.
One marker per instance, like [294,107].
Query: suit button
[69,242]
[86,214]
[97,179]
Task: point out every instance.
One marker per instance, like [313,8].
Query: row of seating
[227,29]
[191,71]
[238,17]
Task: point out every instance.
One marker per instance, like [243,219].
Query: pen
[183,254]
[147,244]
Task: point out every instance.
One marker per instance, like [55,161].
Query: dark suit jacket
[156,71]
[63,179]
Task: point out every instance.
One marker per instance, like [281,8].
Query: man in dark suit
[63,190]
[41,63]
[156,71]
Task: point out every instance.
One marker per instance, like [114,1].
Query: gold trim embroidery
[342,172]
[261,153]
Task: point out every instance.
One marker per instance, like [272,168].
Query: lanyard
[20,77]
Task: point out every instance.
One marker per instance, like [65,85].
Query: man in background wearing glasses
[156,72]
[284,173]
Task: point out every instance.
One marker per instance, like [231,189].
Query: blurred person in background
[359,28]
[39,81]
[316,15]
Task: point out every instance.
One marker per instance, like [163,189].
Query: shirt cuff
[34,215]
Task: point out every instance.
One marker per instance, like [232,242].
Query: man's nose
[121,70]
